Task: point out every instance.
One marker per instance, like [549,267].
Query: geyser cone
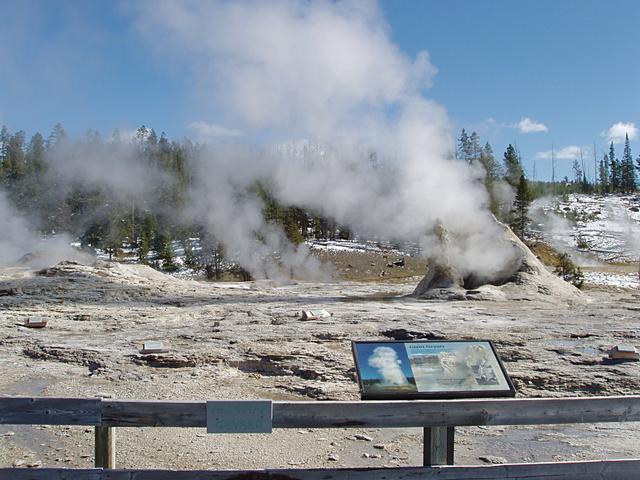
[523,275]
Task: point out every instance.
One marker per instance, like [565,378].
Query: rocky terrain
[247,340]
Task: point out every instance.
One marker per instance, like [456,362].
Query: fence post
[105,447]
[438,446]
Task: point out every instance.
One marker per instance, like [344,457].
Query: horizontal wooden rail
[591,470]
[50,411]
[378,414]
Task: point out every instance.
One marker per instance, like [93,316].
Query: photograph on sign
[430,369]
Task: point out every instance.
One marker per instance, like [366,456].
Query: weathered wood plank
[439,444]
[595,470]
[49,411]
[419,413]
[152,413]
[441,413]
[105,447]
[49,474]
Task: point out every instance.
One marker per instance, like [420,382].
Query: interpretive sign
[430,369]
[239,416]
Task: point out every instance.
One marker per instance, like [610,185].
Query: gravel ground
[246,340]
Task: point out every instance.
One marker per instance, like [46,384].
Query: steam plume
[386,361]
[327,72]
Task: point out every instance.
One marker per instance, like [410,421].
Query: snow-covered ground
[363,247]
[629,280]
[604,228]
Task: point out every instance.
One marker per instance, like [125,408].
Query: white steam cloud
[18,237]
[327,72]
[386,361]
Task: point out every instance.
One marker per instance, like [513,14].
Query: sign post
[438,446]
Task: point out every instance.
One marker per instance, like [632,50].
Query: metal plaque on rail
[239,416]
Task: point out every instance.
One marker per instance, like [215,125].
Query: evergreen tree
[4,145]
[492,173]
[475,150]
[627,172]
[512,166]
[604,175]
[15,166]
[57,136]
[211,256]
[577,172]
[614,170]
[165,253]
[520,209]
[464,150]
[35,156]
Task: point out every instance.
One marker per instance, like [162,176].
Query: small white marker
[153,346]
[35,322]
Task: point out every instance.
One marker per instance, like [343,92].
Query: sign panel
[239,416]
[430,369]
[153,346]
[35,322]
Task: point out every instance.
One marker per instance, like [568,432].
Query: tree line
[509,172]
[149,225]
[614,176]
[102,218]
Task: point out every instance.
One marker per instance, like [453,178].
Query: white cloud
[526,125]
[616,132]
[208,131]
[566,153]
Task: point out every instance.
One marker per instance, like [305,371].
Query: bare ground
[245,340]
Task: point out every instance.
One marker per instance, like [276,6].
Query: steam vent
[523,277]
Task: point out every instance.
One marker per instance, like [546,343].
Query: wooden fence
[437,417]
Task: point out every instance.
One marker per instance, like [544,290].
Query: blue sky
[568,66]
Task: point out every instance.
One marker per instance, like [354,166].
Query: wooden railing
[437,417]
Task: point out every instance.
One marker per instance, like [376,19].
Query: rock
[18,463]
[366,438]
[314,315]
[9,292]
[333,457]
[380,446]
[165,360]
[492,459]
[404,334]
[86,357]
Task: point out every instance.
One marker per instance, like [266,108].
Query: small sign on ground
[239,416]
[35,322]
[154,346]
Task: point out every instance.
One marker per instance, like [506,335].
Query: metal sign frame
[411,390]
